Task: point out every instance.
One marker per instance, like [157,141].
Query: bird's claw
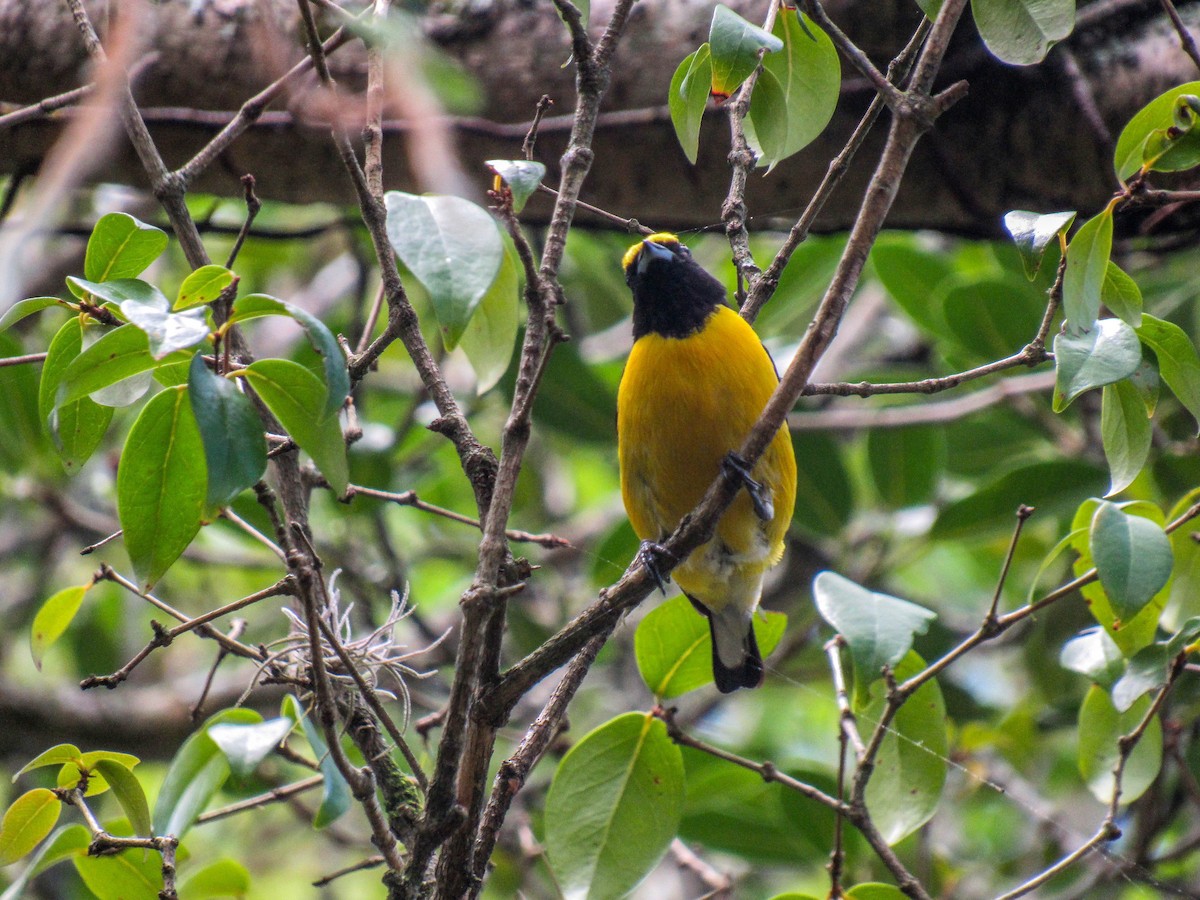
[760,494]
[648,554]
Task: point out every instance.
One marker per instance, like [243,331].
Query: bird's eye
[685,252]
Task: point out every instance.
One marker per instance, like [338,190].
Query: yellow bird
[696,381]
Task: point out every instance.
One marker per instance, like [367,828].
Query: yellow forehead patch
[663,237]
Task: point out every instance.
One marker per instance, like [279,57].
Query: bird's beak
[652,251]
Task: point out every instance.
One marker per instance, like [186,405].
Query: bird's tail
[736,660]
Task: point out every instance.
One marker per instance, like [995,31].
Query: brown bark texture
[1036,138]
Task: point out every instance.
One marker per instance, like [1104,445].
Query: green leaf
[1147,671]
[1183,598]
[1157,115]
[70,774]
[25,308]
[117,292]
[336,798]
[1100,727]
[121,247]
[337,378]
[161,484]
[65,842]
[735,44]
[296,397]
[1021,32]
[58,755]
[1122,296]
[166,332]
[1132,557]
[1094,654]
[688,98]
[614,807]
[804,83]
[1033,232]
[245,745]
[129,875]
[878,628]
[196,773]
[53,618]
[1107,351]
[77,427]
[27,822]
[674,648]
[118,354]
[204,285]
[1178,362]
[1054,486]
[452,247]
[235,450]
[223,878]
[128,791]
[1087,266]
[992,316]
[522,177]
[823,488]
[913,277]
[871,890]
[910,768]
[1125,431]
[906,463]
[490,336]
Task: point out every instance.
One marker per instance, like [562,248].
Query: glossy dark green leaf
[614,807]
[1051,487]
[1021,32]
[53,618]
[235,450]
[1094,654]
[297,398]
[1125,432]
[27,822]
[804,78]
[128,791]
[1087,266]
[1132,556]
[688,98]
[522,177]
[453,247]
[878,628]
[1107,351]
[76,427]
[24,443]
[1147,671]
[1100,728]
[161,484]
[1183,597]
[25,308]
[910,768]
[1178,362]
[121,247]
[1157,115]
[674,648]
[1033,232]
[336,798]
[906,463]
[204,285]
[735,45]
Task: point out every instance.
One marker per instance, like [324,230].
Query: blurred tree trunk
[1038,137]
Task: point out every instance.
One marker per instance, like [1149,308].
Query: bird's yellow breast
[683,404]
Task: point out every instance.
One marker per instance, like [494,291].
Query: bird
[696,381]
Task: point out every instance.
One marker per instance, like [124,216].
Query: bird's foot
[760,494]
[649,553]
